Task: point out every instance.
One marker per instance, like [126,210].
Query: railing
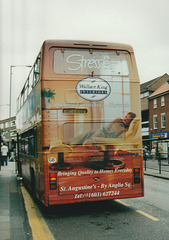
[159,162]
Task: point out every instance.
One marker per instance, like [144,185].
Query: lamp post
[10,99]
[10,93]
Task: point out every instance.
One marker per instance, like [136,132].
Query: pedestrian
[4,153]
[12,157]
[145,153]
[153,153]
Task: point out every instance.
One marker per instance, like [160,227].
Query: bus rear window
[109,63]
[79,133]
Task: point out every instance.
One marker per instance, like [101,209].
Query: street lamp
[11,67]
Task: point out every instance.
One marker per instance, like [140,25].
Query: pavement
[152,168]
[13,218]
[155,173]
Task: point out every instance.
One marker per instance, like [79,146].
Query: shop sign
[161,135]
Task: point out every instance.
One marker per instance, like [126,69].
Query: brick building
[159,117]
[146,90]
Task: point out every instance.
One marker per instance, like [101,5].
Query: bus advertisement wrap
[82,137]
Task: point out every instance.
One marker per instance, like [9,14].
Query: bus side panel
[25,166]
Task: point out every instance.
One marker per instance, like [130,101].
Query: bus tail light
[53,180]
[136,175]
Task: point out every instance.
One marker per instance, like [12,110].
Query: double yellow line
[139,211]
[39,227]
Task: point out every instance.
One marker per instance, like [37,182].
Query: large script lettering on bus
[84,62]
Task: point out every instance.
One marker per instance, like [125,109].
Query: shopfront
[160,141]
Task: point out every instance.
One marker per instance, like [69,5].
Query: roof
[162,89]
[88,44]
[149,83]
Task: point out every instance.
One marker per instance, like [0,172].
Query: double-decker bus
[79,123]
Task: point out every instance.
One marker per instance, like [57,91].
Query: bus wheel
[33,187]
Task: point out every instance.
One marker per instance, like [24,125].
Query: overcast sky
[25,24]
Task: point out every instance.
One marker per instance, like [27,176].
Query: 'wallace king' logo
[93,89]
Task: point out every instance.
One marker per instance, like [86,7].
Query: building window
[155,103]
[145,94]
[162,101]
[162,120]
[155,121]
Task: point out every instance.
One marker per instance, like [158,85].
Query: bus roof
[87,44]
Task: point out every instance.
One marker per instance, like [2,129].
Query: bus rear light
[136,175]
[53,180]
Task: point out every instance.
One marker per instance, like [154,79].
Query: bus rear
[91,123]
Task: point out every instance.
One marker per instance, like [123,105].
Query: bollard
[160,167]
[145,163]
[159,162]
[145,159]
